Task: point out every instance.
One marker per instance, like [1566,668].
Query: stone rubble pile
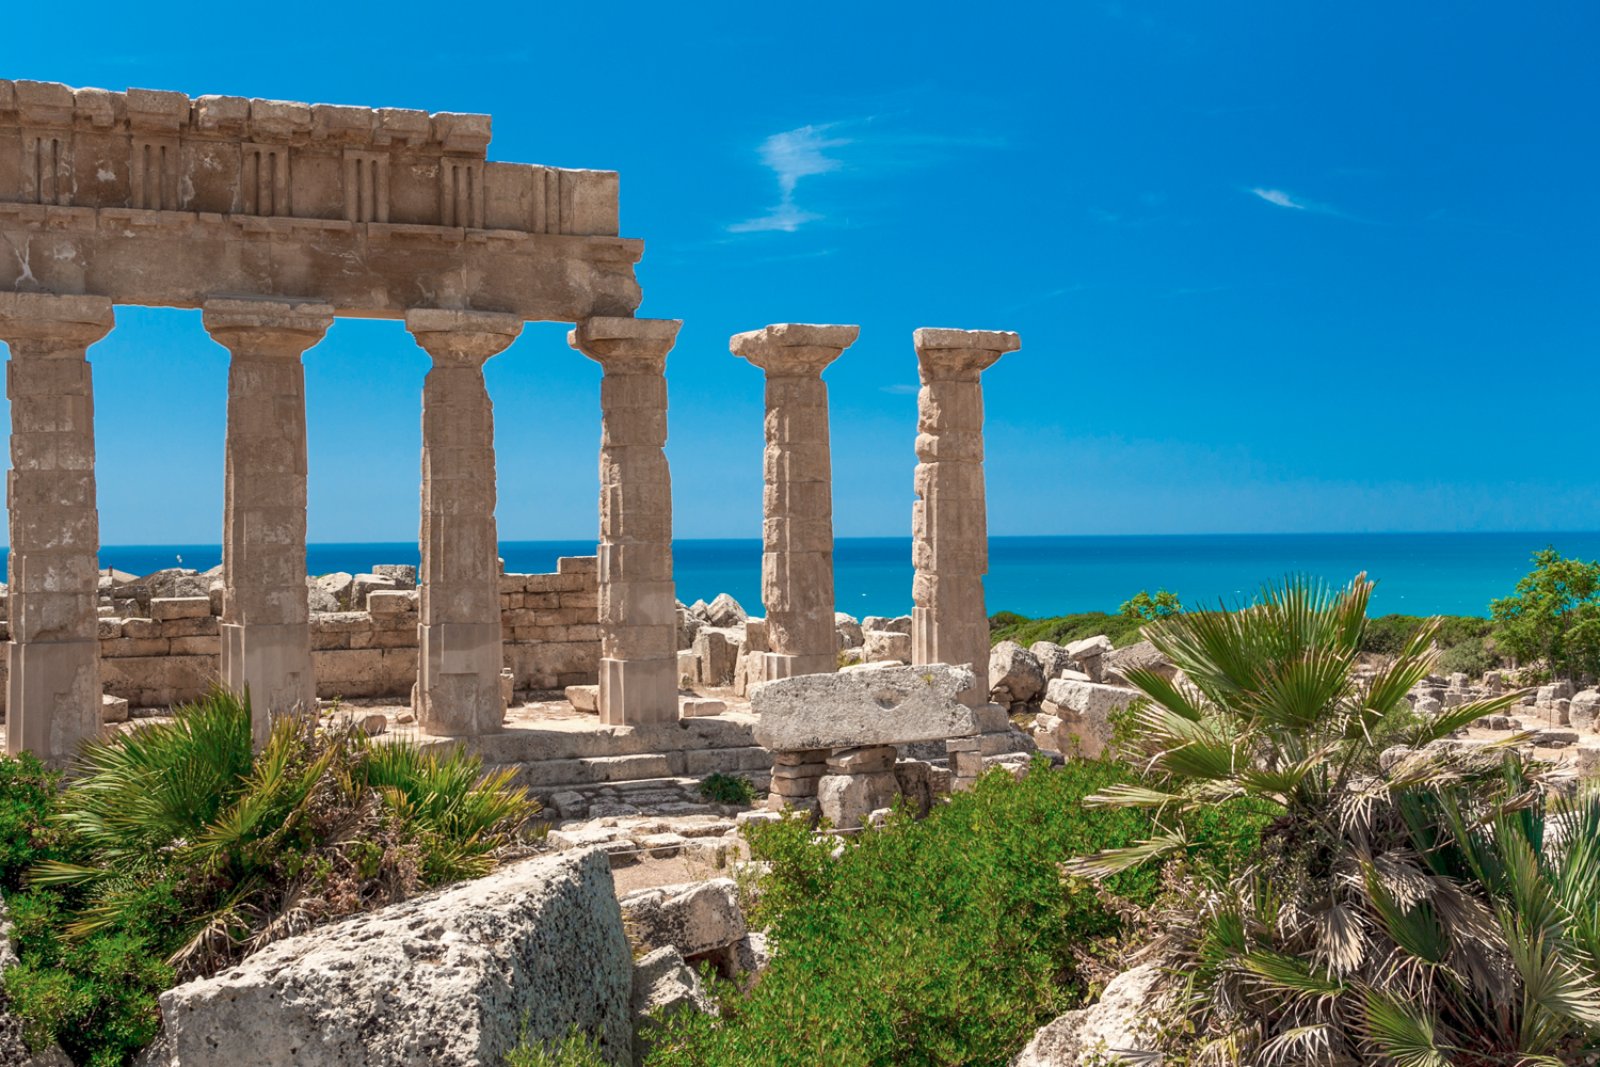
[721,646]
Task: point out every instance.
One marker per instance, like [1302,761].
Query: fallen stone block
[534,949]
[167,608]
[584,697]
[695,918]
[663,986]
[888,706]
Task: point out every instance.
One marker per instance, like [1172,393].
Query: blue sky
[1276,267]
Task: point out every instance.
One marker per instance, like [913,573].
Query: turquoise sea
[1417,573]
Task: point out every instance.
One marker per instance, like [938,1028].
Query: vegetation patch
[941,941]
[179,850]
[722,788]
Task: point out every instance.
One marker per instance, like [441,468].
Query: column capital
[41,322]
[800,349]
[469,337]
[265,327]
[626,345]
[960,354]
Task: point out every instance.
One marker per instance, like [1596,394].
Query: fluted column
[53,658]
[797,500]
[459,656]
[266,619]
[638,613]
[949,525]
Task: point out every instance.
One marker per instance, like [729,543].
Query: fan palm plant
[1409,906]
[249,847]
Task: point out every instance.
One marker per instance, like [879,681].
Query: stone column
[266,620]
[53,658]
[638,612]
[459,656]
[949,527]
[797,503]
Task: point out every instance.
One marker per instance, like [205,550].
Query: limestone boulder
[1143,656]
[450,978]
[1119,1028]
[362,584]
[1017,671]
[1053,658]
[848,629]
[886,646]
[1584,709]
[688,626]
[403,574]
[880,706]
[846,800]
[900,624]
[176,582]
[663,986]
[695,918]
[330,592]
[724,611]
[1085,710]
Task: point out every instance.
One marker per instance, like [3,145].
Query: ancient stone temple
[276,218]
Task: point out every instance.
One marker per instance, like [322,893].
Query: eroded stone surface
[884,706]
[450,979]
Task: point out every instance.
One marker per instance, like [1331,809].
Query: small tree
[1144,606]
[1554,615]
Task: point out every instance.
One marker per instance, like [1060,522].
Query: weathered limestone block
[166,609]
[886,646]
[663,986]
[1141,655]
[847,799]
[637,608]
[584,697]
[1584,709]
[948,521]
[725,612]
[797,538]
[695,918]
[1017,671]
[1053,658]
[716,652]
[848,629]
[538,943]
[884,706]
[1120,1026]
[53,663]
[1085,710]
[460,642]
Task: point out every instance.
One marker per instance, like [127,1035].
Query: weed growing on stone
[722,788]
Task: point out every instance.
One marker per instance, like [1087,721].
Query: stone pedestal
[266,631]
[949,527]
[797,504]
[638,611]
[966,762]
[459,656]
[795,775]
[858,782]
[53,686]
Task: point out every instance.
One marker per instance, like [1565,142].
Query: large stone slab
[449,978]
[886,706]
[1085,711]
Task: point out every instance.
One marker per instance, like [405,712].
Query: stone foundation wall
[549,625]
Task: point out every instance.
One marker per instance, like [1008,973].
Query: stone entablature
[373,210]
[151,150]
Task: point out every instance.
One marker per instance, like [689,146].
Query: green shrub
[1063,629]
[28,792]
[179,850]
[727,788]
[941,941]
[577,1049]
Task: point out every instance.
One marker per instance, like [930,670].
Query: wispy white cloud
[792,155]
[900,389]
[867,144]
[1279,197]
[1283,199]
